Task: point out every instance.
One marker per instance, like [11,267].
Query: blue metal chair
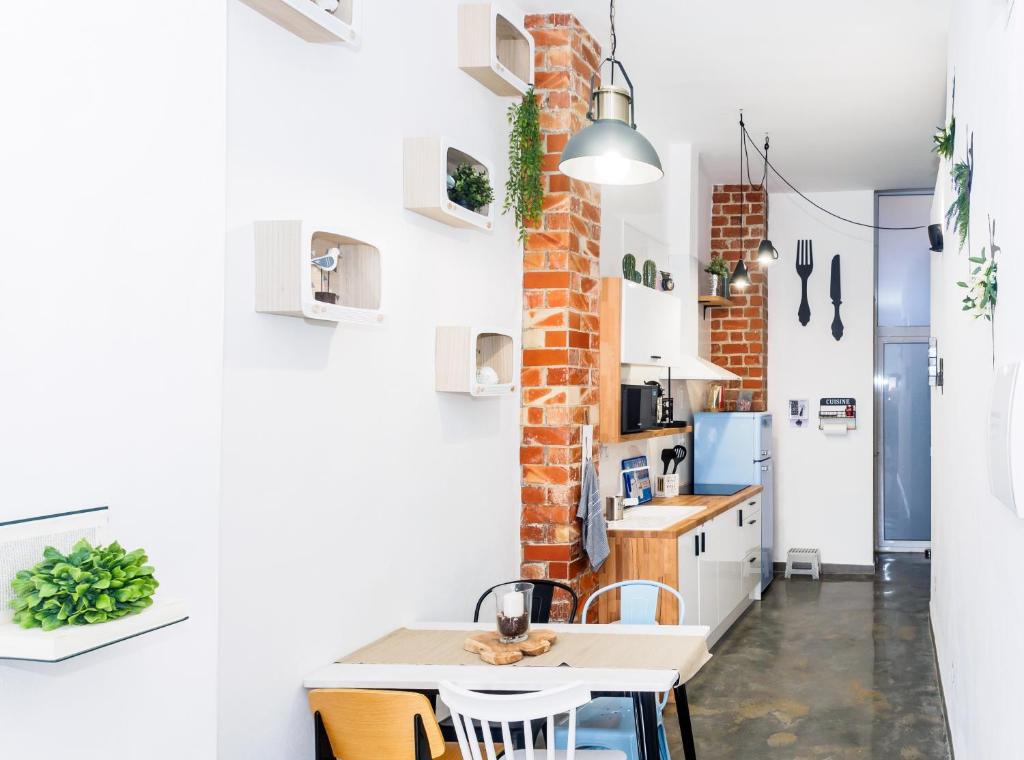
[607,722]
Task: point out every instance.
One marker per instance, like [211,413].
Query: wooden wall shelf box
[495,48]
[461,351]
[287,283]
[428,162]
[615,437]
[307,20]
[713,302]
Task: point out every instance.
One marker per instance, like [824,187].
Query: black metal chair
[543,595]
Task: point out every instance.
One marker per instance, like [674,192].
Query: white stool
[809,557]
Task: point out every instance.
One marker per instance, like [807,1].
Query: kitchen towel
[595,529]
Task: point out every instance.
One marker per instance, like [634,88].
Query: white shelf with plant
[475,360]
[304,269]
[449,184]
[64,593]
[495,48]
[321,21]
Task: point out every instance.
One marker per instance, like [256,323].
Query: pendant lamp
[610,150]
[740,279]
[766,253]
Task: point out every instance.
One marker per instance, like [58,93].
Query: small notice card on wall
[798,412]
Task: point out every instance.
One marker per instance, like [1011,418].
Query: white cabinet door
[651,326]
[689,576]
[708,576]
[729,552]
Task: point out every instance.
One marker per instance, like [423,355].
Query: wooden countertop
[716,505]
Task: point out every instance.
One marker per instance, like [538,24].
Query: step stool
[809,557]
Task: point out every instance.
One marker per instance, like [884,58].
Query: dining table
[638,662]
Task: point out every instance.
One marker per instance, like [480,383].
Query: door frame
[883,335]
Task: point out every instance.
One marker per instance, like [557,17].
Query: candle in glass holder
[513,602]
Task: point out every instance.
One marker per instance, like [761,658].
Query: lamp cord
[746,135]
[615,39]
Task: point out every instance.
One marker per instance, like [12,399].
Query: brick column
[739,334]
[560,315]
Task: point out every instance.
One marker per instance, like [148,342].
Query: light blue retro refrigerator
[736,448]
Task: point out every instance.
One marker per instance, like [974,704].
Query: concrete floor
[830,670]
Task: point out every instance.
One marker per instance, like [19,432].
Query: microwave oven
[639,409]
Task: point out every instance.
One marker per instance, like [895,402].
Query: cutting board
[491,650]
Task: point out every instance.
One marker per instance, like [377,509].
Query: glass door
[902,394]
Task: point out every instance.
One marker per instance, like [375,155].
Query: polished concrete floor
[831,670]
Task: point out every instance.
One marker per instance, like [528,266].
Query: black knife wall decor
[804,267]
[836,293]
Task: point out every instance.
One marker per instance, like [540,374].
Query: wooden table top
[716,505]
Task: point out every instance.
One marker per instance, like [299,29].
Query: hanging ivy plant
[959,214]
[524,191]
[945,140]
[983,286]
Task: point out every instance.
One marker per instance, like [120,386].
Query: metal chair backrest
[543,593]
[507,710]
[638,601]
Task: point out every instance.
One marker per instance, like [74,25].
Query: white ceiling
[850,92]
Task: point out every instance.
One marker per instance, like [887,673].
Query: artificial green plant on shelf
[92,584]
[524,191]
[470,187]
[717,267]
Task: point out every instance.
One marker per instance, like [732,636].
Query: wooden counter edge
[716,506]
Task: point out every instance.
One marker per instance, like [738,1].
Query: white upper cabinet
[651,323]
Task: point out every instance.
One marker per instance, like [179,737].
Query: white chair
[503,710]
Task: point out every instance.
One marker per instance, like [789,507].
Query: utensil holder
[667,485]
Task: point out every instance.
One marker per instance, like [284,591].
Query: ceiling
[850,92]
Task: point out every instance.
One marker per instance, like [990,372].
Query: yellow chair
[363,724]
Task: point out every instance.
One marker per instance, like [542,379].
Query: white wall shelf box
[21,547]
[305,19]
[461,351]
[37,645]
[495,48]
[428,162]
[288,284]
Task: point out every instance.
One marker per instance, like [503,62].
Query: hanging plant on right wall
[524,191]
[983,285]
[959,214]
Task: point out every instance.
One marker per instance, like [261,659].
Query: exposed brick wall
[739,334]
[560,315]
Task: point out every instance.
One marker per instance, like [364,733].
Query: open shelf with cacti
[495,48]
[309,270]
[442,182]
[474,360]
[323,21]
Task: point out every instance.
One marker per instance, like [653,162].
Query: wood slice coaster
[491,650]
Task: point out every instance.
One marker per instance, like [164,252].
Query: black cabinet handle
[655,357]
[752,521]
[703,541]
[696,545]
[752,559]
[741,518]
[751,503]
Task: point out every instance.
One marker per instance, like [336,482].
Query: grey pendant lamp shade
[609,150]
[740,278]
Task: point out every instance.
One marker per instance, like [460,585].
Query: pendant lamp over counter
[610,150]
[766,253]
[740,278]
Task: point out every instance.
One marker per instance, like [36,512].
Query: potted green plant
[470,187]
[718,276]
[524,191]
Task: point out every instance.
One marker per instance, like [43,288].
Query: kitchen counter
[714,505]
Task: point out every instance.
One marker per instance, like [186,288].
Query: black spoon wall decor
[836,293]
[804,267]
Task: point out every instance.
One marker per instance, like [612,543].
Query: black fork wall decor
[804,267]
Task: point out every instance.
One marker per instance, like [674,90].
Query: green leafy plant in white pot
[718,276]
[92,584]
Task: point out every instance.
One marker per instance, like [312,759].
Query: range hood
[694,368]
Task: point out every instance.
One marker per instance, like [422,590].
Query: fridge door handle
[764,468]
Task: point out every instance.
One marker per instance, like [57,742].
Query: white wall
[823,490]
[111,281]
[977,543]
[356,498]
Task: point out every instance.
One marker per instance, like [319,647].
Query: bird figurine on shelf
[326,263]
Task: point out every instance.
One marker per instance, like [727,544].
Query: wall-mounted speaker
[935,237]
